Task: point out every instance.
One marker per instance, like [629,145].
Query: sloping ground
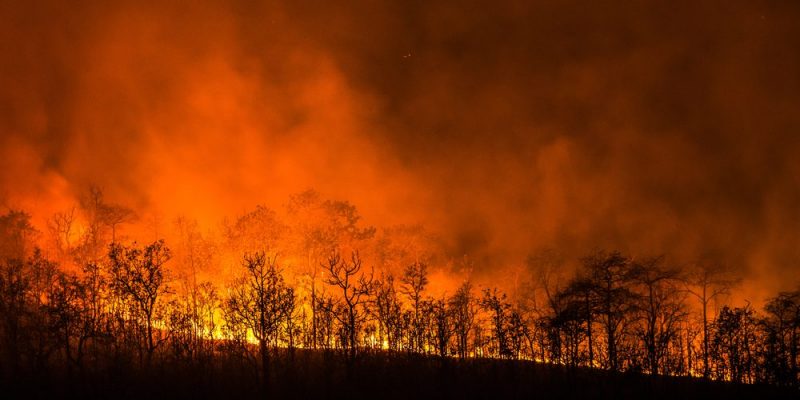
[316,374]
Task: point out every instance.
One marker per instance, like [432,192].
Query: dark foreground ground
[316,374]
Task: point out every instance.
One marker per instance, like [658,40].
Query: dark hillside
[328,375]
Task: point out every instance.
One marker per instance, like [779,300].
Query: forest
[237,199]
[275,298]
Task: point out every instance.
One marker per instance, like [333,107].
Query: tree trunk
[706,370]
[264,351]
[313,315]
[589,331]
[150,346]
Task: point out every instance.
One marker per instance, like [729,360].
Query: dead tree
[415,279]
[387,311]
[463,311]
[259,301]
[708,281]
[441,324]
[355,286]
[137,276]
[781,328]
[609,275]
[494,302]
[661,306]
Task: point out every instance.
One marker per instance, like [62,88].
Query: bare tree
[114,215]
[782,337]
[65,312]
[518,332]
[62,226]
[101,221]
[463,309]
[494,302]
[208,301]
[708,281]
[387,311]
[355,286]
[731,347]
[138,276]
[192,256]
[661,306]
[14,285]
[258,302]
[44,331]
[317,228]
[549,282]
[610,277]
[575,308]
[442,324]
[17,235]
[415,279]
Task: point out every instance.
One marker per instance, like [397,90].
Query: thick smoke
[648,127]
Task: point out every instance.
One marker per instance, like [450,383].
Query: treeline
[143,306]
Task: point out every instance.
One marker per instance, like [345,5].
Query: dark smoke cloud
[507,126]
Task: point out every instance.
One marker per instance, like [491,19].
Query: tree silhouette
[463,311]
[14,286]
[320,227]
[387,311]
[610,277]
[101,221]
[415,279]
[661,307]
[355,286]
[138,276]
[442,324]
[574,312]
[782,337]
[494,302]
[731,346]
[257,303]
[62,227]
[708,281]
[615,312]
[17,235]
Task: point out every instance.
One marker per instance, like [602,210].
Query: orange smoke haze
[649,128]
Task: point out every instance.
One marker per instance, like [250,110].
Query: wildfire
[555,196]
